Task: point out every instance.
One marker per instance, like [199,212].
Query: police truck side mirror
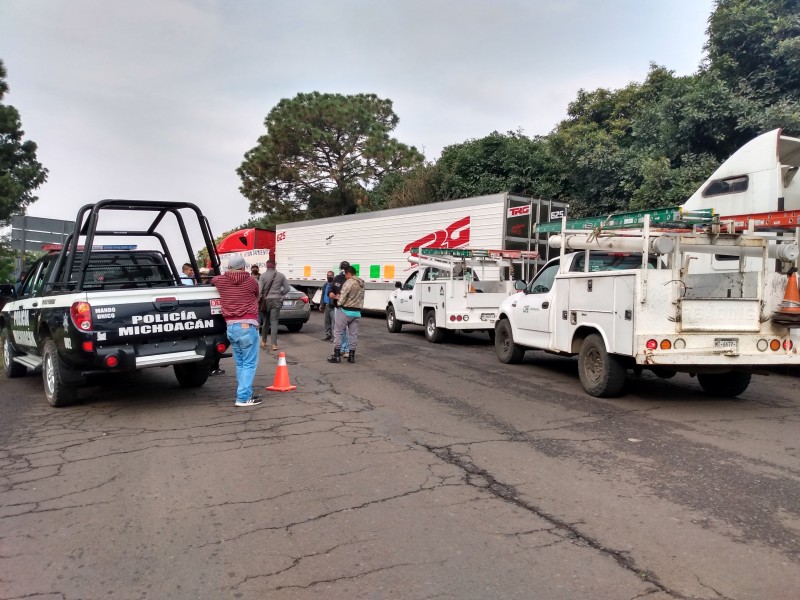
[398,285]
[520,285]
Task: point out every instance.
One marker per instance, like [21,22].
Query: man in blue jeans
[238,291]
[333,292]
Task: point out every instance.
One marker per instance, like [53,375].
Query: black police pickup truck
[89,309]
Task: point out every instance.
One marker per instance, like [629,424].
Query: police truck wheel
[434,334]
[10,368]
[58,393]
[191,375]
[601,373]
[392,324]
[724,385]
[507,351]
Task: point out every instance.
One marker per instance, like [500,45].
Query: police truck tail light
[787,345]
[775,345]
[111,361]
[221,348]
[666,344]
[652,344]
[81,313]
[452,317]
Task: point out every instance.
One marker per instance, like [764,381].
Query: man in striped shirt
[238,291]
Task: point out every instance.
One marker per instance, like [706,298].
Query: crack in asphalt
[509,494]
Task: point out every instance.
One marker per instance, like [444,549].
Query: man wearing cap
[335,290]
[238,291]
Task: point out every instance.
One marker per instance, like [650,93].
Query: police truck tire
[392,324]
[191,375]
[724,385]
[507,351]
[601,374]
[10,368]
[434,334]
[57,392]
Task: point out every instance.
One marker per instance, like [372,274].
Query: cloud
[162,98]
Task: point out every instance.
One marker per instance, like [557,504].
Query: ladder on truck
[676,217]
[503,258]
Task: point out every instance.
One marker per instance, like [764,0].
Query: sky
[161,99]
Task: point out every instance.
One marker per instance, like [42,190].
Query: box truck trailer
[378,243]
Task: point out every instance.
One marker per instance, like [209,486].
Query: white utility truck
[452,290]
[377,243]
[710,307]
[621,299]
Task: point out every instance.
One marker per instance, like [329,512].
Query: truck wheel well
[581,334]
[44,333]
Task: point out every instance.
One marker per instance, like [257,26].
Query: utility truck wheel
[724,385]
[10,368]
[392,324]
[507,351]
[191,375]
[434,334]
[601,373]
[294,327]
[58,393]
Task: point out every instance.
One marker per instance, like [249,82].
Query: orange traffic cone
[281,383]
[788,313]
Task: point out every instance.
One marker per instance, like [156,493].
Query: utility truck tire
[392,324]
[294,327]
[724,385]
[507,351]
[10,368]
[58,393]
[434,334]
[491,335]
[601,373]
[191,375]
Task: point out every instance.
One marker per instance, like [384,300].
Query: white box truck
[377,243]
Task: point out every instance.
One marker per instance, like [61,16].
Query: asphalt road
[421,471]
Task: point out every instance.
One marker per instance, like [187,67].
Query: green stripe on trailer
[664,217]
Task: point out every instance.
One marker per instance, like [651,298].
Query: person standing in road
[254,271]
[335,289]
[239,294]
[350,301]
[326,306]
[272,287]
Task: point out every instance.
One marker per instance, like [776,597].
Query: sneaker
[218,372]
[327,338]
[252,402]
[274,347]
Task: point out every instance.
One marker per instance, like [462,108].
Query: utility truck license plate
[726,343]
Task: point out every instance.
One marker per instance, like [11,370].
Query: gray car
[295,311]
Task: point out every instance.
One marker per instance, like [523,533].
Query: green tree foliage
[20,172]
[320,155]
[754,45]
[411,188]
[498,162]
